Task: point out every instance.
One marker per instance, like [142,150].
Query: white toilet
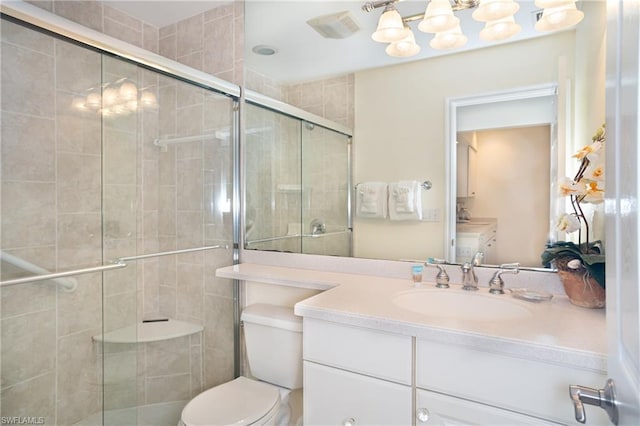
[273,339]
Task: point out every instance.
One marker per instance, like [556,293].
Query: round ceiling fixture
[263,49]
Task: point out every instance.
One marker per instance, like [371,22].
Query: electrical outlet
[431,215]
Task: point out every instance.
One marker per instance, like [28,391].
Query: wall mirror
[399,110]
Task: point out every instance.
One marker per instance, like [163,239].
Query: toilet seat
[239,402]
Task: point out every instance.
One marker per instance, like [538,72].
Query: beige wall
[512,184]
[400,127]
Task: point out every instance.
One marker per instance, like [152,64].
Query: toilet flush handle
[349,422]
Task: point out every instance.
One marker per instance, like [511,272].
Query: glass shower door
[326,177]
[273,202]
[127,172]
[51,189]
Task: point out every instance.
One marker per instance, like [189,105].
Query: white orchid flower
[593,194]
[568,187]
[568,223]
[589,151]
[595,172]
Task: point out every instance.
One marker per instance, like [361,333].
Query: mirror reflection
[398,111]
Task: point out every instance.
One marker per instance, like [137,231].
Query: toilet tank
[273,338]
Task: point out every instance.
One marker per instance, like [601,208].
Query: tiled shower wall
[61,189]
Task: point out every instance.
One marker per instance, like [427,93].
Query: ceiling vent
[335,25]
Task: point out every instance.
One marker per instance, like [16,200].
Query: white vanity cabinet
[356,376]
[361,376]
[461,385]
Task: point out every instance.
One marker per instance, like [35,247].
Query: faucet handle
[442,278]
[496,284]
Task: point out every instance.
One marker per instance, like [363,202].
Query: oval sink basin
[470,306]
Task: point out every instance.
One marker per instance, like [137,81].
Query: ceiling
[302,53]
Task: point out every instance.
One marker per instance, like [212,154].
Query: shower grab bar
[116,264]
[290,236]
[68,284]
[57,275]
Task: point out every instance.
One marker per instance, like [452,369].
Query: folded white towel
[371,200]
[403,194]
[405,201]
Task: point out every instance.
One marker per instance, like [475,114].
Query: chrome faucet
[442,278]
[469,277]
[496,284]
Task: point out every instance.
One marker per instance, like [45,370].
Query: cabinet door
[337,397]
[435,409]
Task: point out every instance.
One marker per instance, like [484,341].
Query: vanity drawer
[362,350]
[504,381]
[337,397]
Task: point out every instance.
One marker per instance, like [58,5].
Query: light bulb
[128,91]
[109,96]
[491,10]
[94,100]
[79,103]
[500,29]
[148,99]
[438,17]
[390,26]
[451,39]
[404,48]
[558,18]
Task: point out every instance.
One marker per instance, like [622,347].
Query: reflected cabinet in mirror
[463,119]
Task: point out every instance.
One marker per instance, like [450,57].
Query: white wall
[400,127]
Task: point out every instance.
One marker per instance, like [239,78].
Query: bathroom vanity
[379,351]
[477,235]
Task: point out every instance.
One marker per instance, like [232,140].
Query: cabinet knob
[349,422]
[423,415]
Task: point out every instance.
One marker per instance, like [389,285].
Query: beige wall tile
[33,398]
[77,69]
[76,131]
[28,214]
[120,162]
[120,310]
[122,18]
[195,354]
[79,183]
[190,291]
[79,240]
[81,309]
[168,388]
[167,357]
[28,148]
[27,38]
[79,394]
[218,46]
[189,35]
[34,297]
[87,13]
[120,379]
[218,366]
[27,81]
[123,32]
[168,46]
[189,188]
[28,346]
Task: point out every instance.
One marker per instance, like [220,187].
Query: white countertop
[557,332]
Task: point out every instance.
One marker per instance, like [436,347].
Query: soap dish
[531,295]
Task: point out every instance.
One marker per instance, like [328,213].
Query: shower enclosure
[297,180]
[116,206]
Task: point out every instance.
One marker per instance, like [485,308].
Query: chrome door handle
[603,398]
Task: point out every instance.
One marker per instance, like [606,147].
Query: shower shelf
[150,332]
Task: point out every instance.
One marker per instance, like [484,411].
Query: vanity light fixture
[439,19]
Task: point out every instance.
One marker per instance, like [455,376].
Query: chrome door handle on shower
[604,398]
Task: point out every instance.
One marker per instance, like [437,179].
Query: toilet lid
[239,402]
